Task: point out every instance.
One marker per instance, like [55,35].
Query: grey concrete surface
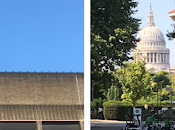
[17,126]
[61,126]
[107,125]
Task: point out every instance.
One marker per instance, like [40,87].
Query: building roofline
[43,72]
[173,11]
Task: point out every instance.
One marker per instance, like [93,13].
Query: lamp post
[169,88]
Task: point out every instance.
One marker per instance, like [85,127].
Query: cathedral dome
[152,47]
[151,33]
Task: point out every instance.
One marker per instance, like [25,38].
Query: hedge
[116,110]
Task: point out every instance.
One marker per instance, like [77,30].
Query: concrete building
[42,99]
[152,47]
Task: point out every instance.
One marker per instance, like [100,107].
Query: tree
[135,81]
[112,93]
[162,78]
[113,36]
[171,35]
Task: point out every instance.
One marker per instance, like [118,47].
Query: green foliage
[165,95]
[111,103]
[112,93]
[135,81]
[115,110]
[111,112]
[95,104]
[113,32]
[110,109]
[107,15]
[162,79]
[172,81]
[171,35]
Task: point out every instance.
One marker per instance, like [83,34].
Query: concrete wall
[42,88]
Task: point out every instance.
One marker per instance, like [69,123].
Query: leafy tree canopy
[135,81]
[162,79]
[113,35]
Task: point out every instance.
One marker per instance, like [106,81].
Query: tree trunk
[134,103]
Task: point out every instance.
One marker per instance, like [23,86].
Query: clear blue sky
[160,10]
[42,35]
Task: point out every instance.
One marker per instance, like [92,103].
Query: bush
[116,110]
[95,104]
[111,109]
[111,113]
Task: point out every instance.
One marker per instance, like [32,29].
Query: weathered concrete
[41,96]
[42,88]
[39,125]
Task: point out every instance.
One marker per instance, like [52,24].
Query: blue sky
[42,35]
[160,10]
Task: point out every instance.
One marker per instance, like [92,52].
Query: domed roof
[150,33]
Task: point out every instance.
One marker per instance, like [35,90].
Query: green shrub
[110,113]
[112,93]
[95,104]
[116,110]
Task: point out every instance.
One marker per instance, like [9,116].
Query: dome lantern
[150,18]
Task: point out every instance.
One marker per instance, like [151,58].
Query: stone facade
[152,47]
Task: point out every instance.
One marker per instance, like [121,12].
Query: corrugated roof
[41,96]
[41,112]
[41,88]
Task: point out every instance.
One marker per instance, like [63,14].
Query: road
[107,125]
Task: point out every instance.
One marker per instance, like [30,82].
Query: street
[107,125]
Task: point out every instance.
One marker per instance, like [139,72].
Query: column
[159,57]
[39,125]
[153,57]
[149,57]
[81,125]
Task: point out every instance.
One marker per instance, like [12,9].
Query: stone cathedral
[152,46]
